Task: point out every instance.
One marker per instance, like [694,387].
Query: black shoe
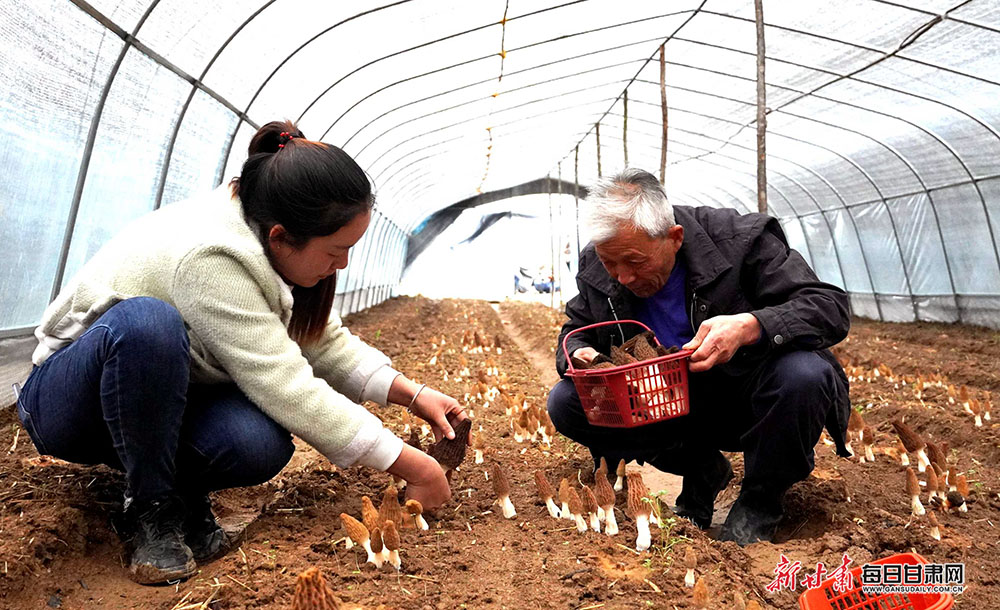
[753,517]
[699,490]
[202,532]
[159,553]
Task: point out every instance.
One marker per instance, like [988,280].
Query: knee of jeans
[151,322]
[263,455]
[563,404]
[806,372]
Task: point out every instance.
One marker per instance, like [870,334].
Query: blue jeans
[119,395]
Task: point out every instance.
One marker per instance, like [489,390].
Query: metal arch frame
[489,115]
[499,125]
[527,46]
[467,86]
[363,275]
[495,127]
[95,122]
[482,99]
[349,272]
[945,18]
[909,40]
[187,103]
[898,155]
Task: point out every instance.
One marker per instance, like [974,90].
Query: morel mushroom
[576,510]
[564,499]
[855,427]
[358,533]
[478,446]
[450,453]
[416,510]
[932,483]
[312,592]
[390,509]
[590,507]
[904,459]
[378,549]
[935,526]
[913,443]
[868,441]
[639,509]
[606,501]
[937,456]
[620,357]
[545,491]
[690,562]
[620,472]
[913,488]
[368,513]
[501,485]
[977,412]
[700,594]
[390,537]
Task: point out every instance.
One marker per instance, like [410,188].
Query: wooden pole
[559,233]
[625,126]
[597,128]
[576,197]
[761,112]
[552,248]
[663,108]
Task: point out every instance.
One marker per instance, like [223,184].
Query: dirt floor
[57,550]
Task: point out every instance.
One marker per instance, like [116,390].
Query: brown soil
[57,549]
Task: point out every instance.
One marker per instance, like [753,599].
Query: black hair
[311,189]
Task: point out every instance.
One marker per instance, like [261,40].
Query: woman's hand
[425,481]
[440,411]
[437,409]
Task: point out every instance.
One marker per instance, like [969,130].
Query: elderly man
[759,321]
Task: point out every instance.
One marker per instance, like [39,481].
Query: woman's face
[321,257]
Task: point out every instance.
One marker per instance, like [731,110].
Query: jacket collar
[704,261]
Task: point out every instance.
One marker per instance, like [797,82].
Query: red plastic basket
[826,598]
[633,394]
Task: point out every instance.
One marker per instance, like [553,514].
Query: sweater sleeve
[233,320]
[349,364]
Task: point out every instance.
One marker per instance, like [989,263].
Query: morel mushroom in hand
[449,453]
[639,509]
[501,485]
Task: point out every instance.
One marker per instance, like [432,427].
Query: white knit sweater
[201,257]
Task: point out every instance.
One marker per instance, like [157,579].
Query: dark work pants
[773,415]
[119,395]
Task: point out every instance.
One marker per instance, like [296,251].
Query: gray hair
[633,196]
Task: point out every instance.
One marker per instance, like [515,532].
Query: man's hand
[585,354]
[425,481]
[440,411]
[718,339]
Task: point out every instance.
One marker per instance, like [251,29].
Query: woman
[195,341]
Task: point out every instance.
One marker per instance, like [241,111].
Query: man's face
[639,262]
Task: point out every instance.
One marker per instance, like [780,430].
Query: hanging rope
[597,129]
[663,108]
[576,196]
[761,112]
[625,125]
[552,248]
[489,129]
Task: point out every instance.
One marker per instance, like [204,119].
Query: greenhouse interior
[856,143]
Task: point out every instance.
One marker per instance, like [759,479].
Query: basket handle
[569,361]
